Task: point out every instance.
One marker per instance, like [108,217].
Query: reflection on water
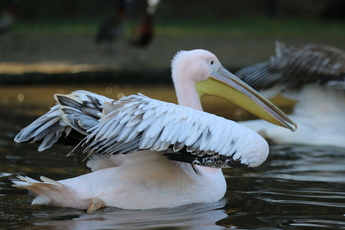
[298,187]
[197,216]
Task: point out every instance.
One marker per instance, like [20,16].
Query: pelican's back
[296,67]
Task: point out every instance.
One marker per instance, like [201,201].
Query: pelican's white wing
[73,115]
[183,134]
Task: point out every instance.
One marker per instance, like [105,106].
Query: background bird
[143,33]
[314,76]
[112,28]
[8,17]
[145,153]
[115,25]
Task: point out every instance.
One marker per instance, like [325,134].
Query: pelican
[313,76]
[145,153]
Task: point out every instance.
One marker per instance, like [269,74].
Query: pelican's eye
[212,62]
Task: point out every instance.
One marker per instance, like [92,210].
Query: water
[298,187]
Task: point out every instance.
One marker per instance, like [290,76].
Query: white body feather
[138,184]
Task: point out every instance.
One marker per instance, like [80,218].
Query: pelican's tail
[54,193]
[74,114]
[47,192]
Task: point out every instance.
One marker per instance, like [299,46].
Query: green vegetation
[259,27]
[80,26]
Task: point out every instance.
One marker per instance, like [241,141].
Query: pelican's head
[201,71]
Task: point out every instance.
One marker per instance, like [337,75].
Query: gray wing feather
[260,76]
[183,134]
[78,111]
[138,123]
[297,66]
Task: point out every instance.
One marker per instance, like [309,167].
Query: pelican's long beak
[224,84]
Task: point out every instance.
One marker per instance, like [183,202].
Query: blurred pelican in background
[313,76]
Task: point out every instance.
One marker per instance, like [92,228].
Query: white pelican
[146,153]
[312,75]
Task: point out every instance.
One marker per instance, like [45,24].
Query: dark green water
[298,187]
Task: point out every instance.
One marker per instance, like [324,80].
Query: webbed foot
[95,204]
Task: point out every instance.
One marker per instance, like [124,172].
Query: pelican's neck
[187,95]
[189,99]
